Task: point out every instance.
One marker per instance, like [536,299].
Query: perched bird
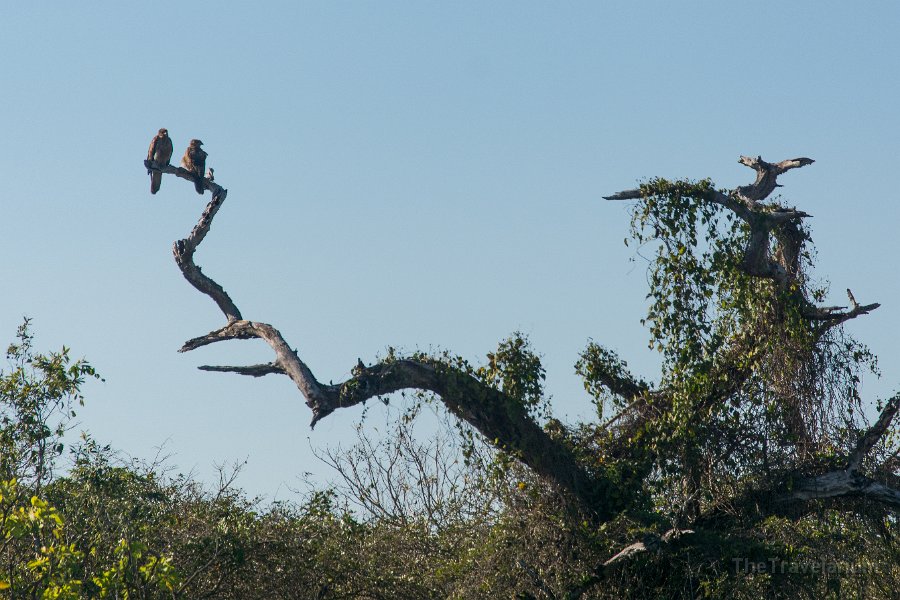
[160,153]
[194,160]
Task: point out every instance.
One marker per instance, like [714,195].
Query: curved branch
[184,249]
[871,437]
[503,421]
[235,330]
[499,418]
[651,542]
[849,482]
[715,197]
[800,496]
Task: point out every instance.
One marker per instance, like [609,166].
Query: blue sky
[423,175]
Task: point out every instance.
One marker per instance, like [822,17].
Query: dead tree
[488,410]
[771,253]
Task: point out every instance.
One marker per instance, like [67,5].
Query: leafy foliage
[753,384]
[37,397]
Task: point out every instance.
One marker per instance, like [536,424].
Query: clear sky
[419,174]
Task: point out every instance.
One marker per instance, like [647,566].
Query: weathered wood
[505,422]
[838,484]
[251,370]
[767,176]
[765,221]
[184,249]
[872,435]
[502,421]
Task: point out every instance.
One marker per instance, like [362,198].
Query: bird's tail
[155,181]
[198,184]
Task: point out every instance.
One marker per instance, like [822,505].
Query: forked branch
[874,434]
[850,482]
[799,494]
[766,221]
[767,175]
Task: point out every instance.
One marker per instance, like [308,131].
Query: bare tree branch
[184,249]
[766,175]
[252,370]
[715,196]
[235,330]
[832,315]
[503,421]
[633,194]
[796,497]
[871,437]
[651,542]
[183,173]
[500,419]
[843,483]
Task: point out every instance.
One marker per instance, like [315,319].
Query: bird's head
[196,143]
[163,133]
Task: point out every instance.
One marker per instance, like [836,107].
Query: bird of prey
[194,160]
[160,153]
